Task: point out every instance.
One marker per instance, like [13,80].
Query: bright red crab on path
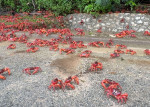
[96,65]
[32,70]
[147,51]
[32,49]
[130,51]
[114,55]
[85,53]
[68,82]
[114,89]
[56,83]
[67,50]
[2,71]
[11,46]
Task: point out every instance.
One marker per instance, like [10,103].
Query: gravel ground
[23,90]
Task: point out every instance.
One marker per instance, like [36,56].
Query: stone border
[115,22]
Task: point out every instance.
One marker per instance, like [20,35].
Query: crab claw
[2,77]
[76,79]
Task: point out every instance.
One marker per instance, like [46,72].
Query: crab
[11,46]
[85,53]
[32,70]
[68,81]
[147,33]
[54,47]
[120,46]
[109,43]
[56,83]
[4,70]
[114,89]
[32,49]
[113,55]
[96,65]
[81,45]
[73,45]
[97,44]
[118,51]
[147,51]
[99,30]
[67,50]
[130,51]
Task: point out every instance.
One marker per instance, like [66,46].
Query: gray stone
[127,18]
[114,30]
[137,18]
[88,20]
[142,17]
[146,23]
[141,30]
[134,24]
[108,24]
[103,24]
[140,21]
[127,14]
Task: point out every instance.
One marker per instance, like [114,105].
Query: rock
[140,21]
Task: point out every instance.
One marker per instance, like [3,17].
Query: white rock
[140,30]
[140,21]
[88,19]
[137,18]
[112,35]
[145,23]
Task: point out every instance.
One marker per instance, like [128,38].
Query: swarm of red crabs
[64,37]
[114,89]
[56,83]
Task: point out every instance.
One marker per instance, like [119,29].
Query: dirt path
[20,89]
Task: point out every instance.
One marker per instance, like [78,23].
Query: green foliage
[63,7]
[130,3]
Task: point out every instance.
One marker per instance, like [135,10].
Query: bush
[63,7]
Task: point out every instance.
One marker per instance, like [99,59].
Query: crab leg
[76,79]
[2,77]
[7,69]
[70,85]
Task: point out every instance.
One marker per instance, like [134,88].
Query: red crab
[147,51]
[132,35]
[54,47]
[73,45]
[113,55]
[56,83]
[11,46]
[4,70]
[114,89]
[80,44]
[68,82]
[80,31]
[32,70]
[130,51]
[96,65]
[120,46]
[97,44]
[147,33]
[99,30]
[109,43]
[81,22]
[33,49]
[67,50]
[85,53]
[118,51]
